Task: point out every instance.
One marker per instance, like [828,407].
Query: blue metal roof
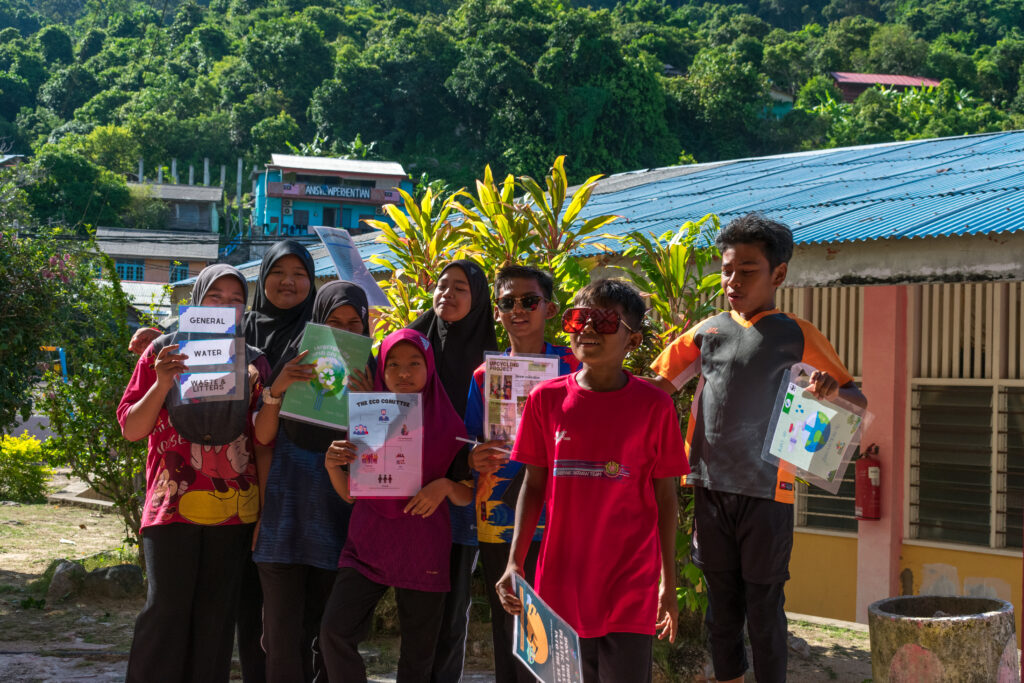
[943,187]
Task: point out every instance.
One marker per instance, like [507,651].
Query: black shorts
[736,532]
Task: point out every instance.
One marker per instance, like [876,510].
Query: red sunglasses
[604,320]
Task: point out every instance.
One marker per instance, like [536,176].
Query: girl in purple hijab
[400,543]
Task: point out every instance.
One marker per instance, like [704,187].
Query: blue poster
[543,641]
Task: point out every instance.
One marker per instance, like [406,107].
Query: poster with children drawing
[508,380]
[543,641]
[387,430]
[811,436]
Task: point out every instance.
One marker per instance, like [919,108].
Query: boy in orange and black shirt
[743,517]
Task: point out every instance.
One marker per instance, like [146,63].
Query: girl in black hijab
[304,523]
[284,300]
[281,308]
[460,327]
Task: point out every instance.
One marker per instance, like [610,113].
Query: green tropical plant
[496,230]
[23,471]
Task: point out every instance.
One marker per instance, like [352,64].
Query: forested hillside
[444,87]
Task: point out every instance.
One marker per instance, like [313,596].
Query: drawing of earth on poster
[812,434]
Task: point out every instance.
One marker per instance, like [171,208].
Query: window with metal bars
[819,509]
[1011,442]
[951,497]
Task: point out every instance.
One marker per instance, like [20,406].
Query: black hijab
[268,327]
[219,422]
[332,295]
[459,346]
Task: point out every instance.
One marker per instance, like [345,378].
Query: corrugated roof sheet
[948,186]
[387,168]
[882,79]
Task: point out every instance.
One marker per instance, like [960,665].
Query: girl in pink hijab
[400,543]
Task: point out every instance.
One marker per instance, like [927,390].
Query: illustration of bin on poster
[349,264]
[543,641]
[387,430]
[508,380]
[324,400]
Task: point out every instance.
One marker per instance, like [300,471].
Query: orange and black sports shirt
[742,363]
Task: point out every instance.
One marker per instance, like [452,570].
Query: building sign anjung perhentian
[338,191]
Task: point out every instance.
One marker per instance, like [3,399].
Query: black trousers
[294,596]
[450,656]
[743,545]
[249,625]
[349,615]
[493,559]
[184,633]
[617,657]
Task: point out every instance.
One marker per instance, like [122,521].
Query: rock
[799,647]
[120,581]
[67,579]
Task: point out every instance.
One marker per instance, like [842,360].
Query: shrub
[23,474]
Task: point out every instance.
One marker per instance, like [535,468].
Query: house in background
[853,84]
[157,256]
[295,192]
[190,207]
[8,160]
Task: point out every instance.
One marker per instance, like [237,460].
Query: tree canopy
[447,86]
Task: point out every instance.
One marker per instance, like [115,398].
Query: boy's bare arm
[823,385]
[668,519]
[528,510]
[661,383]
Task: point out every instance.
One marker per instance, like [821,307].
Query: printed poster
[349,264]
[812,436]
[324,400]
[543,641]
[387,430]
[508,380]
[217,369]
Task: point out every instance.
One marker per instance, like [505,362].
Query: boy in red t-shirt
[603,451]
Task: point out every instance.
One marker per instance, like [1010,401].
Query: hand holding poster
[349,264]
[813,437]
[543,641]
[206,335]
[324,400]
[508,380]
[387,430]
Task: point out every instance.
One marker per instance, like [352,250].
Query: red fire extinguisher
[868,484]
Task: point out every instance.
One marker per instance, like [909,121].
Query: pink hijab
[441,424]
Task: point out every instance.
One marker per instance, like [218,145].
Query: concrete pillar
[141,168]
[206,170]
[174,171]
[159,175]
[191,174]
[885,377]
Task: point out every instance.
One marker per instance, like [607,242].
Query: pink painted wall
[885,382]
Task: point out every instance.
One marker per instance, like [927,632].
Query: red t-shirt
[189,483]
[600,562]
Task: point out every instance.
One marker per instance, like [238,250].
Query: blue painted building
[296,192]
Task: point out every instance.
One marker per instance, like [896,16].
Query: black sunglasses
[529,302]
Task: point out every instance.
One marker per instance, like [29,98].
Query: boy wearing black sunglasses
[603,451]
[523,303]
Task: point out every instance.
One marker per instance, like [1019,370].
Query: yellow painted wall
[963,572]
[823,576]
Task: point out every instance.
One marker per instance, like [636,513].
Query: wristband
[270,399]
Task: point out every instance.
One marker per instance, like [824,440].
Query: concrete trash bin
[931,638]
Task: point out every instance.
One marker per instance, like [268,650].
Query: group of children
[596,461]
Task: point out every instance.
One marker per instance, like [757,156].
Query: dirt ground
[88,639]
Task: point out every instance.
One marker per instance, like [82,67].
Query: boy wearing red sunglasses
[603,451]
[743,514]
[524,302]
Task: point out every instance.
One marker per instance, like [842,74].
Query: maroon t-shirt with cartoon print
[190,483]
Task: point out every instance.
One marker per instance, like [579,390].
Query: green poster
[324,400]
